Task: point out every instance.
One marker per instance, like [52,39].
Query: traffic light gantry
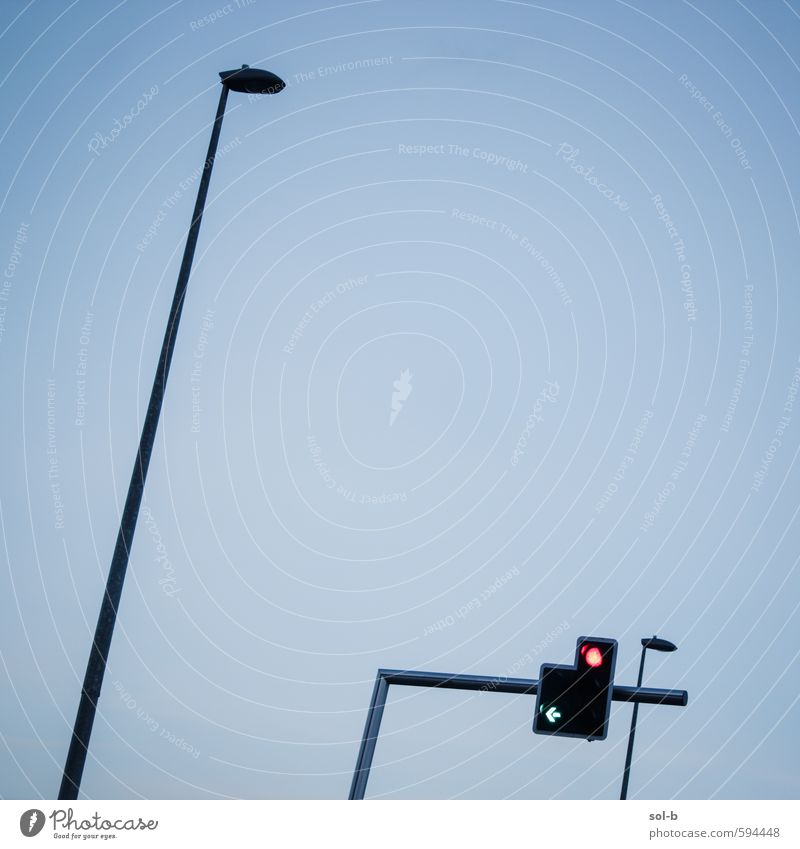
[596,718]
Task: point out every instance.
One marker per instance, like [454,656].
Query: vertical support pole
[101,644]
[629,754]
[370,737]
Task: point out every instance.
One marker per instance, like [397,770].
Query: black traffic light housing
[575,701]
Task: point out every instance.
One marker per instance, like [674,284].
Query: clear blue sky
[491,341]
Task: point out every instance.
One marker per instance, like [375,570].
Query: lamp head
[658,644]
[252,81]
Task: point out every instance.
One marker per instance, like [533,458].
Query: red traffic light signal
[592,655]
[575,701]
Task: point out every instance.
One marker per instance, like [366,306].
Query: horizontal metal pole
[524,686]
[459,682]
[650,696]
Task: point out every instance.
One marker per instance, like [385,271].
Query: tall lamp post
[657,644]
[251,81]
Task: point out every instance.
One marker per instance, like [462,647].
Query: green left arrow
[552,714]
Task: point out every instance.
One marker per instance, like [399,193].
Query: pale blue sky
[567,221]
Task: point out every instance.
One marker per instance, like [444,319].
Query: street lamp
[657,644]
[250,81]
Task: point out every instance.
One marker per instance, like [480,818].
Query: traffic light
[574,701]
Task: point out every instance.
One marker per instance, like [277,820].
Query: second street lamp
[657,644]
[250,81]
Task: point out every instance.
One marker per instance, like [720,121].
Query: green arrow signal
[553,714]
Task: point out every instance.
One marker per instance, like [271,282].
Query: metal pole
[482,683]
[98,656]
[443,680]
[370,738]
[525,686]
[629,754]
